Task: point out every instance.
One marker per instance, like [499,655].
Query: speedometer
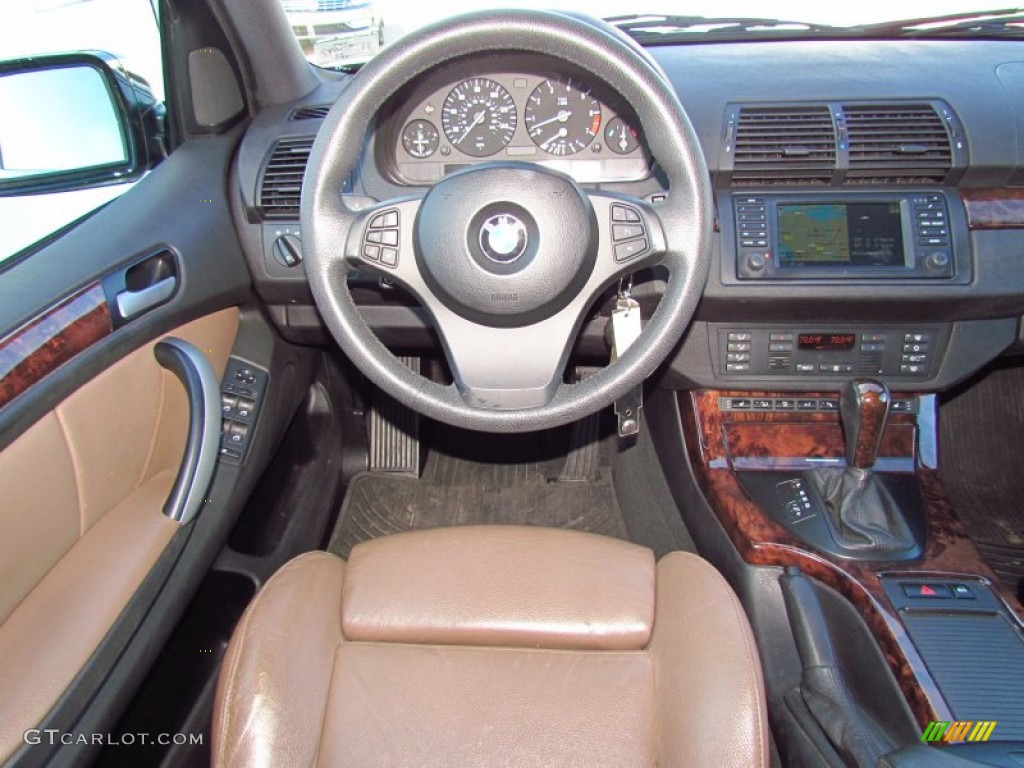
[562,119]
[479,117]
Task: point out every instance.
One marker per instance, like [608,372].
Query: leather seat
[492,646]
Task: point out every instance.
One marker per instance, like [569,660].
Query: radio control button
[915,359]
[737,346]
[805,367]
[737,368]
[912,369]
[872,347]
[626,231]
[914,348]
[738,357]
[757,261]
[629,250]
[624,213]
[781,337]
[740,336]
[780,347]
[872,337]
[916,336]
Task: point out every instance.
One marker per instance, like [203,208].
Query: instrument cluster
[555,119]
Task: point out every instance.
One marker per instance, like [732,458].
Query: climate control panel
[911,352]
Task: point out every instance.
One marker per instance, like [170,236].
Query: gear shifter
[863,408]
[862,513]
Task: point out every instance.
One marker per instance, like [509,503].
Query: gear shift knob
[863,408]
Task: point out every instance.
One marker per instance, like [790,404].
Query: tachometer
[562,119]
[479,117]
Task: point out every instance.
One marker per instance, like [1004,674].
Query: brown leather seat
[493,646]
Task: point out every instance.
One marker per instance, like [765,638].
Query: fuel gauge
[420,138]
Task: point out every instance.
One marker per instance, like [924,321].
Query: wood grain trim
[762,541]
[808,439]
[46,342]
[994,208]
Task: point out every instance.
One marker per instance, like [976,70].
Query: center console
[950,632]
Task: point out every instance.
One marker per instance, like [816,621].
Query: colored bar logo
[958,730]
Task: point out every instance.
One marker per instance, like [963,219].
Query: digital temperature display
[826,341]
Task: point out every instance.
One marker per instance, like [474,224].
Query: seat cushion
[476,585]
[297,689]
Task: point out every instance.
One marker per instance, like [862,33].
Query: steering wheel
[507,257]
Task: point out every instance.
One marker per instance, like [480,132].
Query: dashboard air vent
[281,184]
[897,144]
[784,145]
[310,113]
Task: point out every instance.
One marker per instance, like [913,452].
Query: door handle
[196,374]
[131,303]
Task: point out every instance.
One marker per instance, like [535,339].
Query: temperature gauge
[621,137]
[420,138]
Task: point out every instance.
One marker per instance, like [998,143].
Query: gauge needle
[562,133]
[623,142]
[477,119]
[561,117]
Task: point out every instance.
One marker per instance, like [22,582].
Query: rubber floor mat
[982,430]
[472,479]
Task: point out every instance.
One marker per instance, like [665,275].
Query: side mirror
[77,120]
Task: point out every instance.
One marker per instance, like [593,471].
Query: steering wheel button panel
[381,238]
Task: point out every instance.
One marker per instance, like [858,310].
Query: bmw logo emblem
[503,238]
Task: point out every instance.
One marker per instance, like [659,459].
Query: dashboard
[509,108]
[851,181]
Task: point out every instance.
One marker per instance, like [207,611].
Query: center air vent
[310,113]
[897,144]
[281,184]
[783,145]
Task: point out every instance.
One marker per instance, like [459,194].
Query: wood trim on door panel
[46,342]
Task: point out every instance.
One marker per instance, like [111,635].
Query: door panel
[81,522]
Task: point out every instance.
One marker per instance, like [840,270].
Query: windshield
[340,33]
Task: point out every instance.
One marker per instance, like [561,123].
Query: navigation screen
[840,235]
